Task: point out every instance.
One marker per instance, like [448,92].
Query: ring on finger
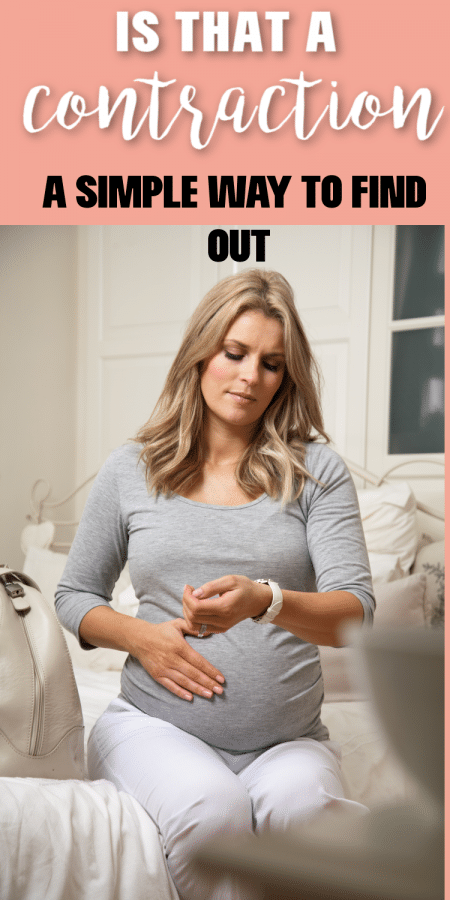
[203,630]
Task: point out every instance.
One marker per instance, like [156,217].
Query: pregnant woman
[246,551]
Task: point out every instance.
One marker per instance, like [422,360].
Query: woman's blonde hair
[273,462]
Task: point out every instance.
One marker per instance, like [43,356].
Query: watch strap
[276,605]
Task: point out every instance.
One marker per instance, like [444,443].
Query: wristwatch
[276,605]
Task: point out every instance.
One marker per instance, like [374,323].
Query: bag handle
[13,583]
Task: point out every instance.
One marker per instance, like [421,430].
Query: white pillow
[431,561]
[385,567]
[40,535]
[389,521]
[45,567]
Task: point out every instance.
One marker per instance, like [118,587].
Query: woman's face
[240,380]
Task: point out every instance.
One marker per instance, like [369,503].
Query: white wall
[37,370]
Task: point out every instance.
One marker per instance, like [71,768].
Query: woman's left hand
[239,598]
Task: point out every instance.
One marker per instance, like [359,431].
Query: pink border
[394,42]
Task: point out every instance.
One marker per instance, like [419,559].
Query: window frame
[382,327]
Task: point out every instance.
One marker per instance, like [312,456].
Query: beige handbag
[41,722]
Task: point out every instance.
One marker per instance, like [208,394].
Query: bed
[74,840]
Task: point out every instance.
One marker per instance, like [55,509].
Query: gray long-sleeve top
[274,688]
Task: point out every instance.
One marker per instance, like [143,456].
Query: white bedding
[96,690]
[75,840]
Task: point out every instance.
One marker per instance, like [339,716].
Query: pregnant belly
[273,691]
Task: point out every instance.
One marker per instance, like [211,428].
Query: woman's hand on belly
[239,598]
[165,654]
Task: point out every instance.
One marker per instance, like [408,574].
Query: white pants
[193,792]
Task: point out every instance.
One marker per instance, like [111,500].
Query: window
[416,423]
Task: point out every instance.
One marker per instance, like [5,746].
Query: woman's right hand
[165,654]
